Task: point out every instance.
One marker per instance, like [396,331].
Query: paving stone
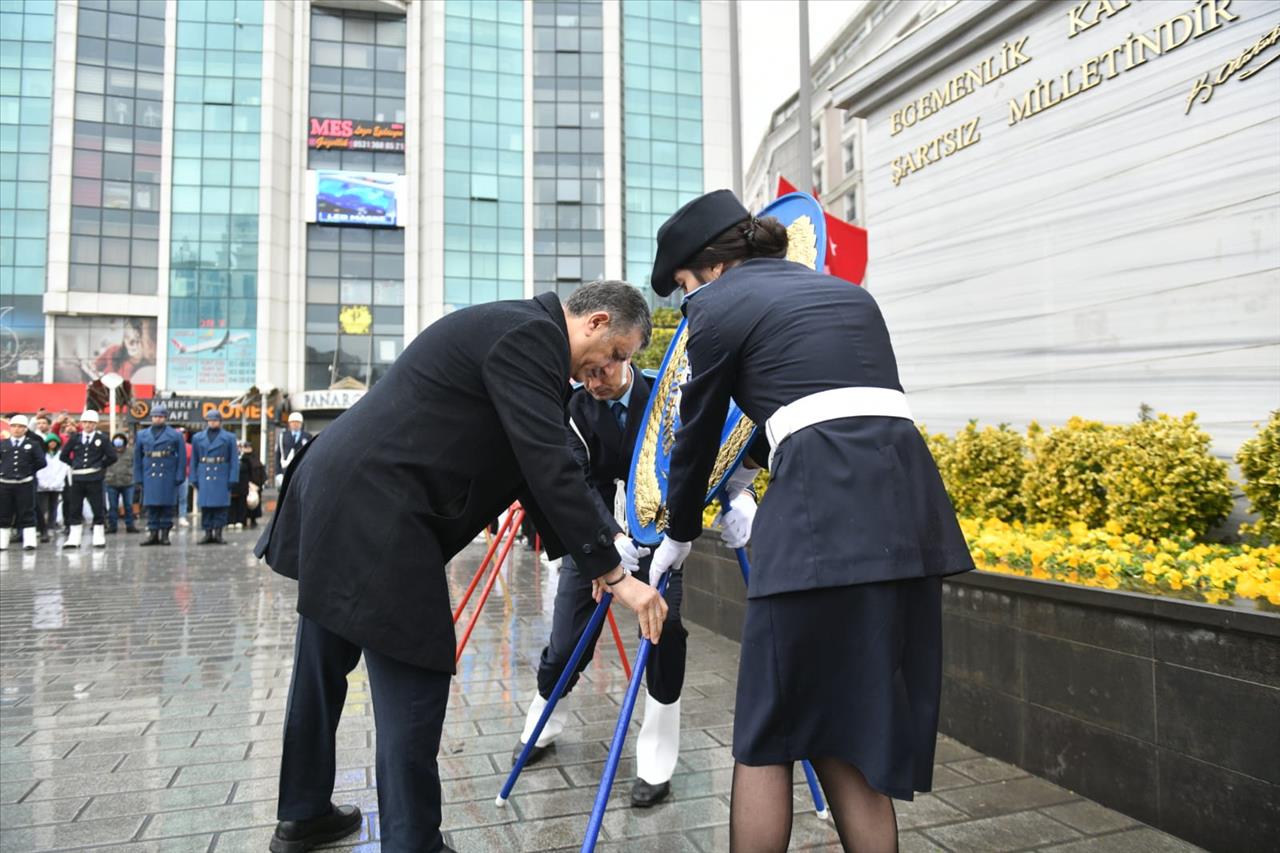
[1004,797]
[57,836]
[168,799]
[987,769]
[925,810]
[1089,817]
[1003,833]
[1141,840]
[37,812]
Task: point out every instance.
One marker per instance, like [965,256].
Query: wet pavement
[142,694]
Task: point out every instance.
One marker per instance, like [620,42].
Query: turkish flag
[846,243]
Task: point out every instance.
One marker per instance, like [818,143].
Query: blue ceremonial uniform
[215,465]
[159,464]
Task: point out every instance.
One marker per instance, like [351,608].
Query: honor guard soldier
[215,465]
[290,442]
[605,417]
[20,458]
[88,454]
[159,464]
[852,539]
[480,397]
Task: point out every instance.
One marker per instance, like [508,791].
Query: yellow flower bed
[1109,558]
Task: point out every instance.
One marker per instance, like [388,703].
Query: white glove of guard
[629,552]
[735,522]
[670,555]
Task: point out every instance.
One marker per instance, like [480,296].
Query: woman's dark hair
[763,237]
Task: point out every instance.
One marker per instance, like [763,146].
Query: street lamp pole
[804,109]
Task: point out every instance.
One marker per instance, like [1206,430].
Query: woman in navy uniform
[215,466]
[852,539]
[89,455]
[159,464]
[20,459]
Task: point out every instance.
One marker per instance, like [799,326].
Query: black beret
[688,232]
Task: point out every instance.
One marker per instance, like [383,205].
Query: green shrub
[940,445]
[1259,461]
[1063,482]
[1161,479]
[984,470]
[651,356]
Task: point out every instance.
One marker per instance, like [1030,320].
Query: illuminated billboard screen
[357,198]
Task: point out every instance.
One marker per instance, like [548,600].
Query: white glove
[740,479]
[670,555]
[629,552]
[735,522]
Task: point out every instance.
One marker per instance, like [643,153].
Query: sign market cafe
[191,411]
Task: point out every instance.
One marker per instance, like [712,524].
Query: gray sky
[770,55]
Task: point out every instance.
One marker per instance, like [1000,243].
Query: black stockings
[760,815]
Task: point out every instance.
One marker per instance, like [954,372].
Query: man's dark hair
[628,312]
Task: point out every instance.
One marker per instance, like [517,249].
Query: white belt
[832,405]
[75,471]
[16,482]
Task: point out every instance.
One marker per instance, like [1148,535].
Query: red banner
[846,243]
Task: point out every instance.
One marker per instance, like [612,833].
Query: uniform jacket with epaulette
[853,500]
[95,457]
[20,462]
[160,465]
[469,418]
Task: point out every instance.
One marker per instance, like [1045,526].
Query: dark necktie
[619,414]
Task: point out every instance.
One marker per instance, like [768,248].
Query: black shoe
[208,538]
[153,538]
[44,537]
[535,755]
[644,795]
[130,528]
[217,537]
[111,530]
[164,536]
[299,836]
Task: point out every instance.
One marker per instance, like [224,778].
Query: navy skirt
[849,672]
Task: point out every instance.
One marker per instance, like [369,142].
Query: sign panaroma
[353,135]
[334,398]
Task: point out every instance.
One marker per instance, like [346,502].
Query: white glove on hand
[629,552]
[670,555]
[735,522]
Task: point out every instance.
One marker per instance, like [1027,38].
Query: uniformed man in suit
[477,403]
[290,442]
[605,419]
[215,466]
[89,455]
[159,464]
[20,458]
[852,538]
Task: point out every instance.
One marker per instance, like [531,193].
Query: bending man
[367,528]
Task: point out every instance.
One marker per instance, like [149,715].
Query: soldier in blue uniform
[159,464]
[89,455]
[605,416]
[852,539]
[215,465]
[20,458]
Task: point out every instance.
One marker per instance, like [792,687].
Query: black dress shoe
[131,529]
[153,538]
[535,755]
[164,536]
[644,795]
[208,538]
[299,836]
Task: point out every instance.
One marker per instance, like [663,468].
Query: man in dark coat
[160,465]
[20,458]
[215,468]
[606,415]
[367,528]
[89,454]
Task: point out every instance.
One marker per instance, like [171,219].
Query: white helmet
[89,415]
[295,416]
[19,420]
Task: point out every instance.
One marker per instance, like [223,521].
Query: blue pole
[619,738]
[819,804]
[557,692]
